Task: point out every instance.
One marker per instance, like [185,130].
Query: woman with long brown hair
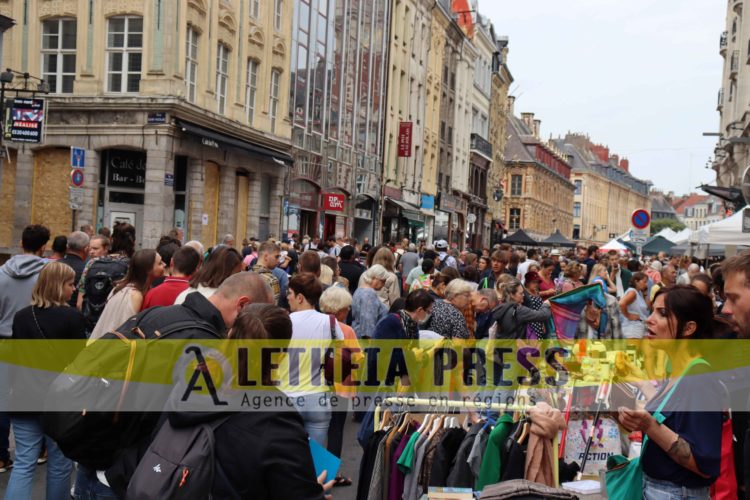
[126,298]
[222,262]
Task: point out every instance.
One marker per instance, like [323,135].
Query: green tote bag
[624,478]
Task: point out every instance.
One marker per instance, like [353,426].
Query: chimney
[528,119]
[537,127]
[511,104]
[614,160]
[625,164]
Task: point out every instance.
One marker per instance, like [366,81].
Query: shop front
[334,215]
[302,209]
[427,207]
[402,220]
[365,213]
[456,208]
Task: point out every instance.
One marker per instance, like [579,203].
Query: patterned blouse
[448,321]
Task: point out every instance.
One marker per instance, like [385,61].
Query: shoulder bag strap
[657,414]
[332,321]
[36,322]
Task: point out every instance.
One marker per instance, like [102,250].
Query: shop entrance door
[121,212]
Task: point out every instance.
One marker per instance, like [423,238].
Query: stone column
[253,207]
[158,211]
[227,202]
[87,214]
[23,193]
[195,199]
[277,196]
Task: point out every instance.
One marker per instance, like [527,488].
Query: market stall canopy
[657,244]
[614,245]
[728,231]
[683,236]
[521,238]
[557,239]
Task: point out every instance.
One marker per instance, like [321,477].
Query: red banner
[404,139]
[333,202]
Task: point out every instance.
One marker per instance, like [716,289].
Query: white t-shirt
[523,268]
[308,325]
[203,290]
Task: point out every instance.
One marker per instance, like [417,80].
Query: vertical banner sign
[404,139]
[27,120]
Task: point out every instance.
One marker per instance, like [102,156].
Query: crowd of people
[303,288]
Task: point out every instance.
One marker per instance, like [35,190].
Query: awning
[217,140]
[407,210]
[730,194]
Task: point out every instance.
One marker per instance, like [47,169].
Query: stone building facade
[178,106]
[539,192]
[606,193]
[500,103]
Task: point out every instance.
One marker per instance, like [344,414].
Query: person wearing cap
[555,256]
[446,260]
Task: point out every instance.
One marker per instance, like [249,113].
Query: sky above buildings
[640,76]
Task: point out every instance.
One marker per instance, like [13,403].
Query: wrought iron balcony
[723,43]
[481,145]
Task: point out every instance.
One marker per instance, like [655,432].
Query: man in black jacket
[350,268]
[75,257]
[206,319]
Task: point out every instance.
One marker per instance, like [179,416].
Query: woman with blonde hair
[391,291]
[600,275]
[49,317]
[572,276]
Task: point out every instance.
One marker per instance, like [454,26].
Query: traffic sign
[77,157]
[640,219]
[76,177]
[76,198]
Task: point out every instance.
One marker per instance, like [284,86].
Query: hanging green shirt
[406,460]
[491,467]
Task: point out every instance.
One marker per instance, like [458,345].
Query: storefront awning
[218,140]
[407,210]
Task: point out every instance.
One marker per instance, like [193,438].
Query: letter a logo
[201,370]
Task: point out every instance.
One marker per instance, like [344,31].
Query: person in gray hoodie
[17,279]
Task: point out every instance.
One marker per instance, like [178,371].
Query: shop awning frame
[244,146]
[408,211]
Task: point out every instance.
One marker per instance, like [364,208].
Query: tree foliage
[673,224]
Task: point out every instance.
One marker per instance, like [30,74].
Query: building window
[191,62]
[516,185]
[450,135]
[222,77]
[59,54]
[277,10]
[251,87]
[255,9]
[274,103]
[515,218]
[124,51]
[579,187]
[576,209]
[576,232]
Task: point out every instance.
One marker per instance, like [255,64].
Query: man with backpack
[17,279]
[101,274]
[114,442]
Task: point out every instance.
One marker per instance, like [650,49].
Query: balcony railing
[720,104]
[481,145]
[723,43]
[734,64]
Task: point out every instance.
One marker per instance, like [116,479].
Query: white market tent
[614,245]
[667,233]
[683,236]
[728,231]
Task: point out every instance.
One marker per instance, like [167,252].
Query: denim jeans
[88,486]
[4,415]
[28,434]
[316,413]
[654,489]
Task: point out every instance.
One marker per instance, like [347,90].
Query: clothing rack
[401,400]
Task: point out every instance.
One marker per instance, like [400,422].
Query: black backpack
[93,436]
[179,463]
[100,280]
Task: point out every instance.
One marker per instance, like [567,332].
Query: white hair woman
[337,301]
[367,309]
[448,315]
